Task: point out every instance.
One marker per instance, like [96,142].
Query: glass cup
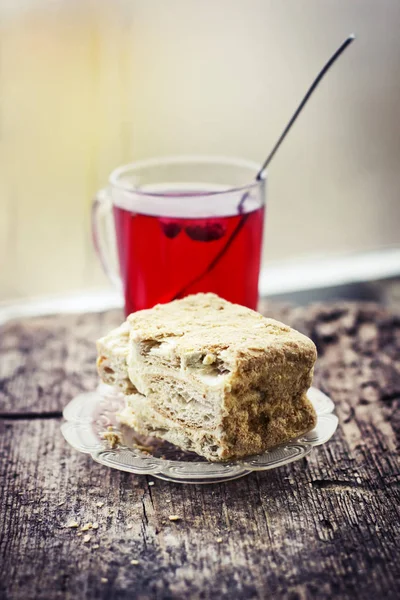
[182,225]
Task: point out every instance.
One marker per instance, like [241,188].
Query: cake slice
[210,376]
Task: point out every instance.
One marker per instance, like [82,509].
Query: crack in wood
[391,397]
[146,520]
[150,494]
[29,416]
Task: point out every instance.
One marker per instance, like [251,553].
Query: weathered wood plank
[325,527]
[46,361]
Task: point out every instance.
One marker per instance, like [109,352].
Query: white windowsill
[316,273]
[279,278]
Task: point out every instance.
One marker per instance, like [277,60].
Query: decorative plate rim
[79,424]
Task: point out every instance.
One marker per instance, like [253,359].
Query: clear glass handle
[104,236]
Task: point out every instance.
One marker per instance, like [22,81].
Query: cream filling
[140,372]
[210,380]
[165,349]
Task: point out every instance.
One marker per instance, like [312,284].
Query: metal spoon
[314,84]
[267,161]
[298,110]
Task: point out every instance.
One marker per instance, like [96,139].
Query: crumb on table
[72,524]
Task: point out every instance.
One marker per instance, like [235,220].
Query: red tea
[162,259]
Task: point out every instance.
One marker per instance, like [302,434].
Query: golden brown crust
[208,324]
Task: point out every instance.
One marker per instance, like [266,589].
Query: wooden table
[325,527]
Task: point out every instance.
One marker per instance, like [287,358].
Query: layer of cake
[206,332]
[184,402]
[139,415]
[202,336]
[214,443]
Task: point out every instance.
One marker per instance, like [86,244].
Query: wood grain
[46,361]
[325,527]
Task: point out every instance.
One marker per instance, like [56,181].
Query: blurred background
[89,85]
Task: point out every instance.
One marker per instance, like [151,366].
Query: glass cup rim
[183,160]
